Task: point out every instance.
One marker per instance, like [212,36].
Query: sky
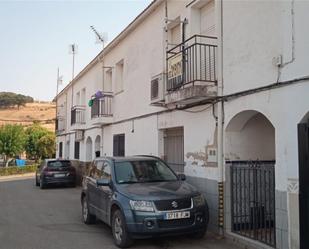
[35,38]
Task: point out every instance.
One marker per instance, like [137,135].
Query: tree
[12,141]
[40,142]
[47,145]
[8,99]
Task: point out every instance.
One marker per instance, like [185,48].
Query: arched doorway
[89,156]
[250,159]
[303,174]
[97,146]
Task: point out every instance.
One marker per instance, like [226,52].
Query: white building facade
[219,89]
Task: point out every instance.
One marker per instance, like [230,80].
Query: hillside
[44,112]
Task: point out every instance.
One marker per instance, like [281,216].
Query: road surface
[31,218]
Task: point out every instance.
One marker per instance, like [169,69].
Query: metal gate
[253,200]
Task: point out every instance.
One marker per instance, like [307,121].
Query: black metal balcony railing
[102,107]
[78,115]
[192,62]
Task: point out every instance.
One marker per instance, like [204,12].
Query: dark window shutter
[115,149]
[121,145]
[76,150]
[60,149]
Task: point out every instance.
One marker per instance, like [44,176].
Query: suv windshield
[57,164]
[143,171]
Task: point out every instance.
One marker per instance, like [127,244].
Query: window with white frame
[108,80]
[119,76]
[83,97]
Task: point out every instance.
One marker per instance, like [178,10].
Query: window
[106,170]
[143,171]
[76,150]
[207,18]
[60,149]
[119,77]
[77,100]
[108,80]
[174,32]
[83,97]
[58,164]
[119,145]
[100,169]
[176,35]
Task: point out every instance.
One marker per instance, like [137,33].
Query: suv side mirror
[182,177]
[103,182]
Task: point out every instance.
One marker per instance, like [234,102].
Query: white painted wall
[254,32]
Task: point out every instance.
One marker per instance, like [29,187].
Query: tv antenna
[73,52]
[101,38]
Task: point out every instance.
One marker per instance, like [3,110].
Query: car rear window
[57,164]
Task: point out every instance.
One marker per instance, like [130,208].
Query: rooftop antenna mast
[73,51]
[100,37]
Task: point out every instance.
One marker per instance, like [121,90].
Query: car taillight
[46,171]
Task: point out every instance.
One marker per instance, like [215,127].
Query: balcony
[101,110]
[78,117]
[60,125]
[191,68]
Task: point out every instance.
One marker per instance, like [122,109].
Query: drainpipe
[102,127]
[220,116]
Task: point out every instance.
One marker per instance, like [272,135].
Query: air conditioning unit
[79,135]
[157,88]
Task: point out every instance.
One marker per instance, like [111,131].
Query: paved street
[31,218]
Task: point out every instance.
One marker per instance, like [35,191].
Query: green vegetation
[40,142]
[37,141]
[12,141]
[9,99]
[17,170]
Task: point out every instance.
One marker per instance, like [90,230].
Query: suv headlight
[146,206]
[198,201]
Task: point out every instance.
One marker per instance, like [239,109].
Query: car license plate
[177,215]
[59,175]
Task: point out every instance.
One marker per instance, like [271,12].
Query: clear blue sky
[35,36]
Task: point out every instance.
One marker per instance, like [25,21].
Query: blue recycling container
[20,162]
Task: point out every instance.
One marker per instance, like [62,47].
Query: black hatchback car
[55,171]
[141,197]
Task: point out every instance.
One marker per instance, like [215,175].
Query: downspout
[220,116]
[165,44]
[103,87]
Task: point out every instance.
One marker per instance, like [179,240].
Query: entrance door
[119,145]
[174,149]
[303,150]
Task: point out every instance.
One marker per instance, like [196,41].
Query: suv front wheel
[121,236]
[87,217]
